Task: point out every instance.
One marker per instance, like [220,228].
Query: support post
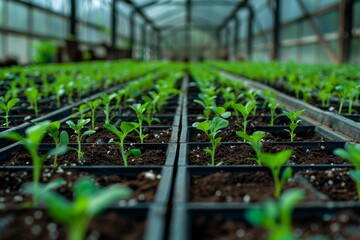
[236,37]
[250,32]
[132,33]
[143,41]
[71,42]
[345,29]
[113,24]
[275,51]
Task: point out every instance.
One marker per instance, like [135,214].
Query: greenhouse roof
[173,14]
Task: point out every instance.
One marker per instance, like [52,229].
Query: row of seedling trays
[285,179]
[66,170]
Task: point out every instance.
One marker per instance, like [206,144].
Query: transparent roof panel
[206,14]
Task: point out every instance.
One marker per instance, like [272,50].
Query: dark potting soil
[96,154]
[243,187]
[36,225]
[345,225]
[12,122]
[244,155]
[103,135]
[229,135]
[334,183]
[144,185]
[254,121]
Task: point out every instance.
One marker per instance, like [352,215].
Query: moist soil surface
[103,135]
[344,225]
[254,121]
[12,122]
[239,188]
[243,154]
[95,154]
[335,183]
[36,225]
[229,135]
[144,185]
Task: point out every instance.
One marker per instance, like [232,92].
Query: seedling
[33,97]
[106,100]
[139,110]
[125,129]
[60,138]
[273,105]
[245,112]
[340,90]
[276,217]
[211,129]
[274,161]
[31,142]
[293,122]
[6,107]
[352,95]
[79,135]
[93,105]
[352,154]
[256,142]
[89,201]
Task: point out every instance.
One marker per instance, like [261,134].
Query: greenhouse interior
[180,119]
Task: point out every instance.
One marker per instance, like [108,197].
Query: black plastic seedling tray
[184,174]
[326,146]
[185,216]
[153,215]
[162,195]
[169,148]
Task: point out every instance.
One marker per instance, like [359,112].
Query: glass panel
[17,16]
[356,16]
[308,53]
[58,26]
[355,50]
[17,47]
[2,49]
[42,3]
[328,22]
[1,13]
[288,54]
[40,22]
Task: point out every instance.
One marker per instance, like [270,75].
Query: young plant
[274,161]
[211,129]
[61,139]
[93,105]
[79,133]
[341,92]
[245,111]
[276,217]
[33,97]
[89,201]
[125,129]
[6,107]
[293,122]
[139,110]
[106,100]
[256,142]
[31,142]
[352,154]
[273,105]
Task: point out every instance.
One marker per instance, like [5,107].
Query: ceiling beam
[195,3]
[232,14]
[138,10]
